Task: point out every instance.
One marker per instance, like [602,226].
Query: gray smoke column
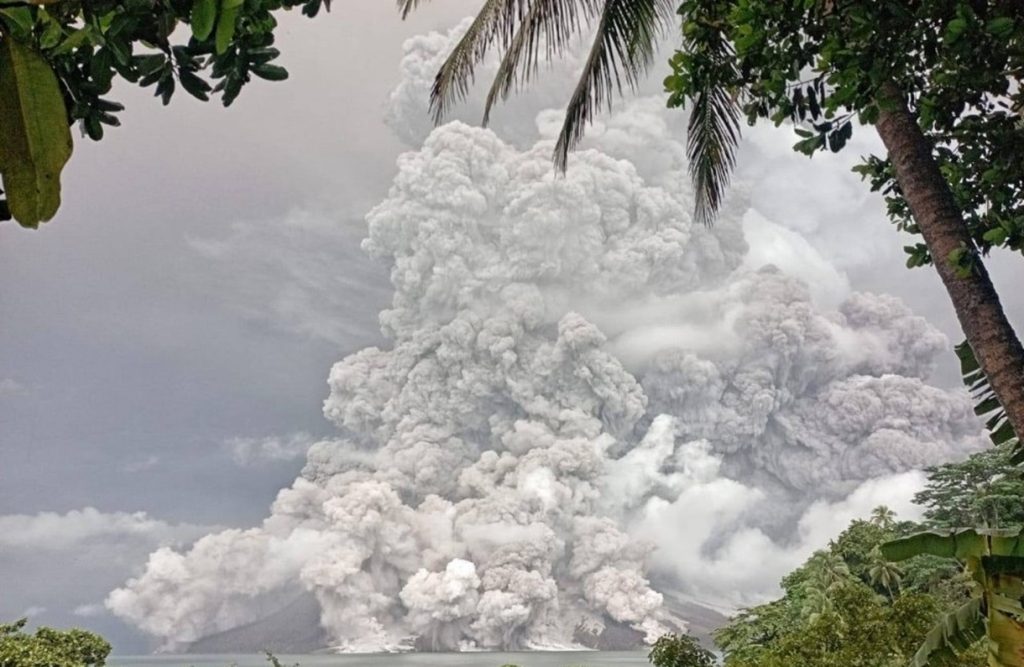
[585,392]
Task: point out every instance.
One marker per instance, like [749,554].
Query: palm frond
[406,6]
[627,34]
[495,22]
[987,405]
[551,23]
[712,135]
[713,132]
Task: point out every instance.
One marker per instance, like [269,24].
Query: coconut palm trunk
[988,331]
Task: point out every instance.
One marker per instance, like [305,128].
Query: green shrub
[680,651]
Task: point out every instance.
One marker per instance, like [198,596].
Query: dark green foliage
[987,404]
[820,64]
[680,651]
[985,490]
[706,59]
[847,606]
[50,648]
[204,47]
[622,50]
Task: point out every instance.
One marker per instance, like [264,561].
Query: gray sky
[128,357]
[158,332]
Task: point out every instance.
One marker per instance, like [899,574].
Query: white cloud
[11,387]
[90,610]
[64,563]
[253,451]
[51,531]
[142,464]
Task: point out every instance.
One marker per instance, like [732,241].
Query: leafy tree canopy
[847,605]
[985,490]
[49,647]
[837,611]
[680,651]
[59,61]
[825,64]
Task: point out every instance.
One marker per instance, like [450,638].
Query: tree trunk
[974,298]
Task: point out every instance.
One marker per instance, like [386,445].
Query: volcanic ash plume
[576,369]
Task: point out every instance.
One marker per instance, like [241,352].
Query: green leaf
[226,26]
[194,85]
[954,29]
[35,140]
[52,33]
[995,236]
[270,72]
[204,15]
[73,41]
[960,544]
[1000,27]
[19,20]
[953,634]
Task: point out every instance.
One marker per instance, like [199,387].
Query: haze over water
[523,659]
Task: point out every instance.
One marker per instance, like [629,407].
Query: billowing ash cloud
[576,370]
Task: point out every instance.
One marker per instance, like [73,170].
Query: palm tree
[626,33]
[826,572]
[884,573]
[883,517]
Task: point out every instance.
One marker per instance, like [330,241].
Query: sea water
[525,659]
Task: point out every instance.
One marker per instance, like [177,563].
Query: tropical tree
[995,561]
[863,630]
[884,573]
[883,517]
[680,651]
[50,648]
[827,570]
[871,618]
[939,80]
[984,490]
[59,61]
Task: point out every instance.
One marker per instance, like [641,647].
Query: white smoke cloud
[253,451]
[710,529]
[410,118]
[52,531]
[89,610]
[36,551]
[585,392]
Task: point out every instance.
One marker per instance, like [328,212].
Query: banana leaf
[961,544]
[1006,639]
[953,634]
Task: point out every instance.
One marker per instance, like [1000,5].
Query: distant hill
[293,629]
[701,620]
